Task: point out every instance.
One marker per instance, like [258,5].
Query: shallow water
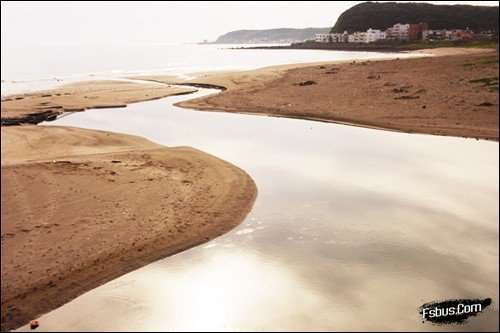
[353,229]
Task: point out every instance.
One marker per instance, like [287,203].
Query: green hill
[383,15]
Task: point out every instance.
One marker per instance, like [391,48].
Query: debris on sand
[407,97]
[400,90]
[306,83]
[486,104]
[333,70]
[34,324]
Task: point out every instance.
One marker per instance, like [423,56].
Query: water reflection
[353,229]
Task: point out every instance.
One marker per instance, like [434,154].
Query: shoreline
[374,47]
[46,105]
[343,123]
[200,197]
[408,95]
[135,201]
[41,154]
[17,109]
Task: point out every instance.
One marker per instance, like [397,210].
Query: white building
[398,31]
[434,34]
[444,34]
[358,37]
[373,35]
[340,38]
[322,38]
[331,38]
[370,36]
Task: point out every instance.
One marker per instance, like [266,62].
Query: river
[352,229]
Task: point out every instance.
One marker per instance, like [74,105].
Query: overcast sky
[103,22]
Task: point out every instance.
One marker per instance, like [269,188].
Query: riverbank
[82,207]
[33,108]
[454,92]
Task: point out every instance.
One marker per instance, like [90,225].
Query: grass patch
[480,44]
[483,62]
[475,44]
[488,82]
[489,61]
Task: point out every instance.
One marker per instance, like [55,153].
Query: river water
[353,229]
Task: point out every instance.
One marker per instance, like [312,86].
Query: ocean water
[31,68]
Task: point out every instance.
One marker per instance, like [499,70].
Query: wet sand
[454,92]
[45,105]
[82,207]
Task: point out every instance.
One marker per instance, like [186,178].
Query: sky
[102,22]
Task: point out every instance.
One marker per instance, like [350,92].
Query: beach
[453,93]
[348,220]
[38,106]
[82,207]
[249,166]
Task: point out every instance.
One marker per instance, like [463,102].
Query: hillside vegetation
[383,15]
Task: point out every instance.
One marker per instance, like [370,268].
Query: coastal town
[400,32]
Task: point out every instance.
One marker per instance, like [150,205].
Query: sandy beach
[80,96]
[82,207]
[249,166]
[453,92]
